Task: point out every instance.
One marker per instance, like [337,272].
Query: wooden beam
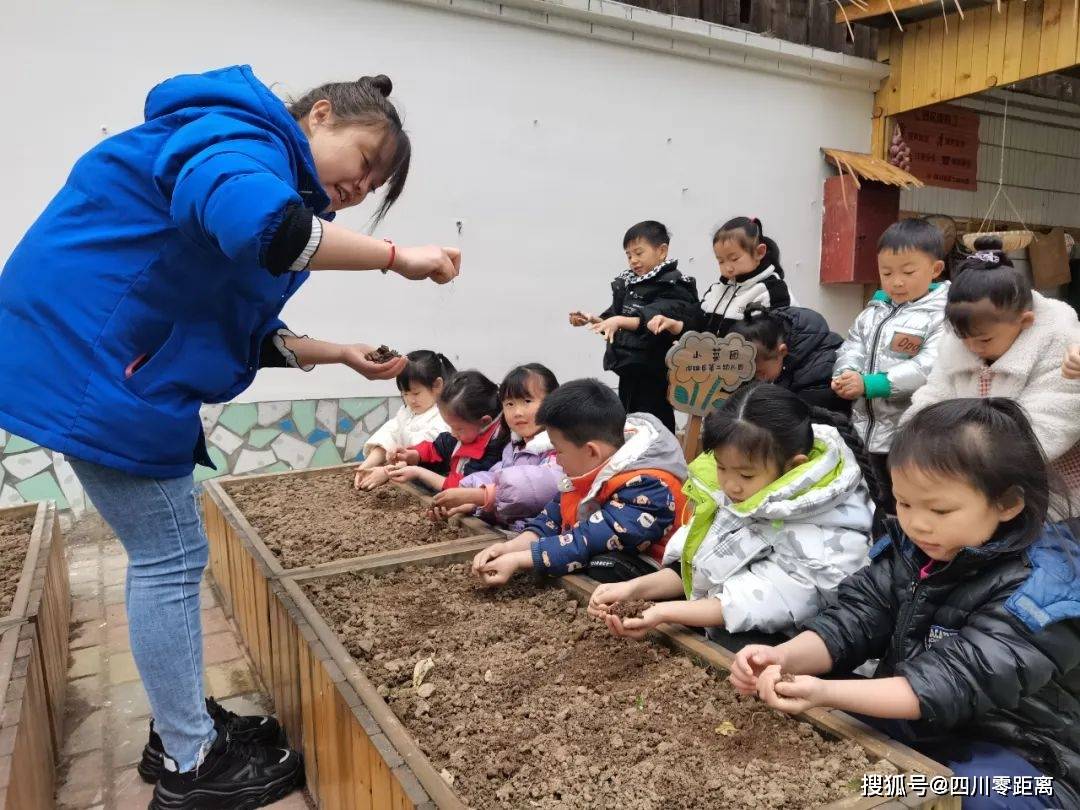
[880,8]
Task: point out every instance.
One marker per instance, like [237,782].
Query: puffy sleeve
[229,186]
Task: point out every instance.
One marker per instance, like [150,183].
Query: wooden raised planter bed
[244,567]
[33,656]
[27,747]
[43,598]
[358,754]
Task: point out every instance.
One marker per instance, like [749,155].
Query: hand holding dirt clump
[632,609]
[383,354]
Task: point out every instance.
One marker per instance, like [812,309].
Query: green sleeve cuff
[877,385]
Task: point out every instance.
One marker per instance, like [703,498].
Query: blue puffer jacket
[154,249]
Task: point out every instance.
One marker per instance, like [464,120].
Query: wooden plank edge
[399,738]
[388,560]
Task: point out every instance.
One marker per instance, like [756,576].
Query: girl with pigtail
[784,508]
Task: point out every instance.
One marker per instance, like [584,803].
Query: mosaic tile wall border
[255,437]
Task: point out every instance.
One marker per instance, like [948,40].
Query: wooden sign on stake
[703,371]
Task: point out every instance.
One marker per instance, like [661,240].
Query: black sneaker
[233,776]
[254,729]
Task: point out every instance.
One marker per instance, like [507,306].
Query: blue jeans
[159,524]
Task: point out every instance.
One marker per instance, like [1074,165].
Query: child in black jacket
[973,607]
[651,286]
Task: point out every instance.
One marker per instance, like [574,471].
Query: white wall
[1042,164]
[547,147]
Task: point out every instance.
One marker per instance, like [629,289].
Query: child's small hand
[607,595]
[439,513]
[749,663]
[1070,367]
[470,497]
[485,556]
[849,385]
[662,323]
[792,696]
[582,318]
[498,571]
[401,475]
[367,480]
[636,629]
[607,328]
[404,455]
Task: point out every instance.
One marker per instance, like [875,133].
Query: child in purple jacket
[527,478]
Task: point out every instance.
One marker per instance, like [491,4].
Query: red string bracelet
[393,255]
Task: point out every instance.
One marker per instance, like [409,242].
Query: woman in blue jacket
[151,284]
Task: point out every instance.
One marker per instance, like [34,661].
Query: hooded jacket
[1029,372]
[990,642]
[522,483]
[142,290]
[725,301]
[893,347]
[664,291]
[775,559]
[808,367]
[632,502]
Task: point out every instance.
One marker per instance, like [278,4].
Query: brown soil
[14,543]
[383,354]
[630,610]
[319,519]
[787,677]
[531,704]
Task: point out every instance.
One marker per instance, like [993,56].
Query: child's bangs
[521,384]
[747,438]
[942,454]
[968,318]
[738,236]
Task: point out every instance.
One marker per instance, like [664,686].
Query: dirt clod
[383,354]
[787,677]
[625,726]
[630,610]
[321,518]
[14,542]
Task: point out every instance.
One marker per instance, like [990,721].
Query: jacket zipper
[902,626]
[873,358]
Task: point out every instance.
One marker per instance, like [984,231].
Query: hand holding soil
[607,596]
[498,571]
[440,264]
[356,358]
[383,354]
[634,628]
[749,663]
[485,556]
[403,455]
[790,694]
[578,318]
[633,609]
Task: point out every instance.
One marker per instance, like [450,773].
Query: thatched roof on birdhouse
[865,167]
